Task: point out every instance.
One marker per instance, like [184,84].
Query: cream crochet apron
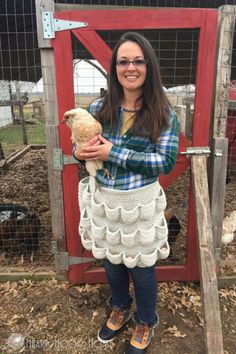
[124,226]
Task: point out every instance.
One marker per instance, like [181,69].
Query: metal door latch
[203,150]
[197,151]
[52,25]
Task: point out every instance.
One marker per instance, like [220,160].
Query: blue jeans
[145,288]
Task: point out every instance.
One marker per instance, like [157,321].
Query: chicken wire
[25,239]
[231,117]
[152,3]
[25,225]
[231,135]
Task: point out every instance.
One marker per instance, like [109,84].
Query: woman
[122,218]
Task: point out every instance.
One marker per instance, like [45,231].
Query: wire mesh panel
[231,117]
[90,81]
[228,123]
[231,135]
[152,3]
[25,223]
[25,226]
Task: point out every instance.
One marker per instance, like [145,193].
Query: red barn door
[103,20]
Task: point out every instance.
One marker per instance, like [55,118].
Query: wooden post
[10,96]
[52,132]
[22,122]
[218,165]
[1,152]
[207,265]
[217,172]
[226,24]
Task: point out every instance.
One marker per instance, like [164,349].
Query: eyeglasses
[124,63]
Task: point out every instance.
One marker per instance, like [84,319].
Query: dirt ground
[55,316]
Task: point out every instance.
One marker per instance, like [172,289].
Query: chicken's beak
[65,118]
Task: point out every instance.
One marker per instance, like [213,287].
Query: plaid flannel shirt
[134,161]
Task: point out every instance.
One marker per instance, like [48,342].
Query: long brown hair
[155,110]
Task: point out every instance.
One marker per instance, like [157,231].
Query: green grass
[11,137]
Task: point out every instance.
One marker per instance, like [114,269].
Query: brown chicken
[83,128]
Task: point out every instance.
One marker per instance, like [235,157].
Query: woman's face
[131,76]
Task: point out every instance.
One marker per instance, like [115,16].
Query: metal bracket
[59,160]
[52,25]
[65,261]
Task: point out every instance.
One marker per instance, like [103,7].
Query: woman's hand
[80,149]
[98,150]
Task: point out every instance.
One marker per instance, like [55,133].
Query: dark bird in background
[228,177]
[19,230]
[174,226]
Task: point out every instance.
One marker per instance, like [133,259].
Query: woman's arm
[151,163]
[147,163]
